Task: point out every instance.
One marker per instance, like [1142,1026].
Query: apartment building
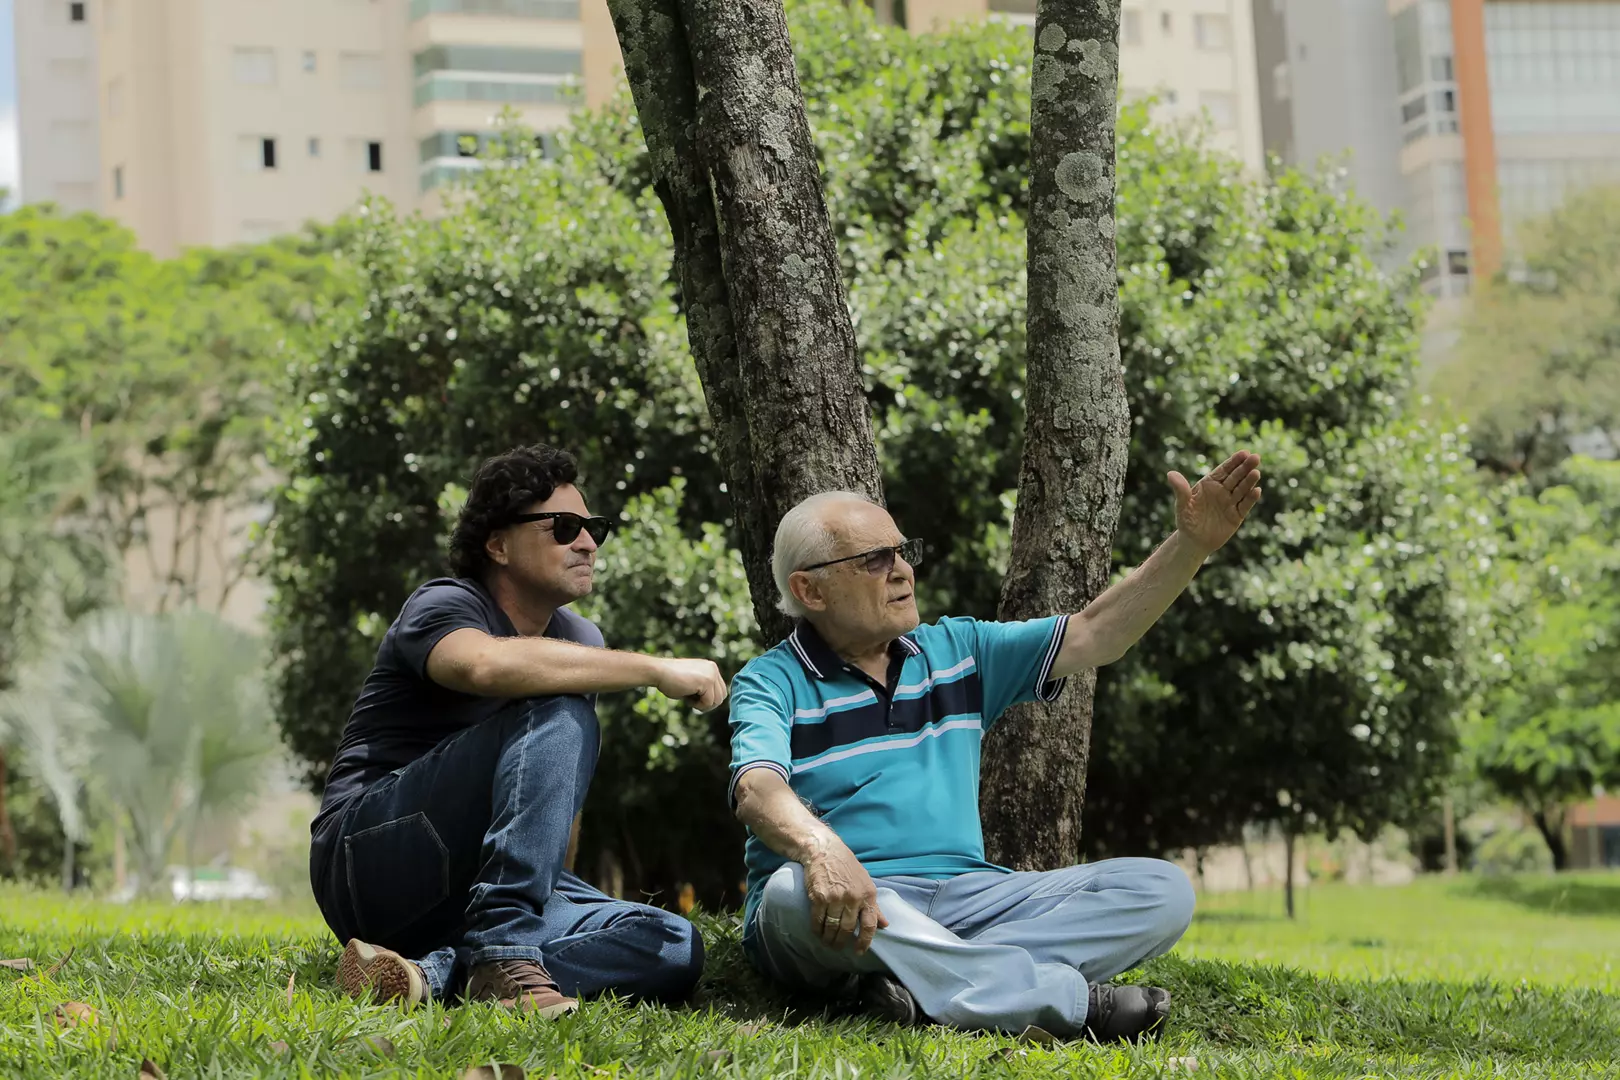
[1470,117]
[218,121]
[57,119]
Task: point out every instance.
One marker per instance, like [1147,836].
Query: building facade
[58,127]
[1470,117]
[211,122]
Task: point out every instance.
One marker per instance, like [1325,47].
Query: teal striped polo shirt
[892,768]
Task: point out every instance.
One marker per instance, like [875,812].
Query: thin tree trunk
[1449,824]
[1288,872]
[67,863]
[8,836]
[1551,827]
[768,319]
[1077,426]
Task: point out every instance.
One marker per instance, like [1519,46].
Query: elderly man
[855,766]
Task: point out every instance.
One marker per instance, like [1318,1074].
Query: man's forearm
[767,805]
[1116,620]
[524,667]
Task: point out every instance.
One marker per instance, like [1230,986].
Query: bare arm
[843,900]
[1206,517]
[474,662]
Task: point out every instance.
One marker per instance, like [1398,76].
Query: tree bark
[767,315]
[1288,872]
[1551,826]
[1077,426]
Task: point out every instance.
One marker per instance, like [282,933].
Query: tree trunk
[1449,824]
[1288,872]
[1551,826]
[1076,430]
[8,837]
[767,315]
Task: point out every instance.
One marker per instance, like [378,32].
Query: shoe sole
[367,972]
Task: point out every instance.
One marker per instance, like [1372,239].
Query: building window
[564,10]
[508,60]
[254,67]
[76,11]
[1212,32]
[1457,263]
[309,59]
[256,153]
[314,146]
[267,153]
[374,157]
[1130,27]
[1164,21]
[118,181]
[1221,107]
[360,71]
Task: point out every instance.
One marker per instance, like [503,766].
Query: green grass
[1466,978]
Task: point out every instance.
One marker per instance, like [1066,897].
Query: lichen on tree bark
[1077,428]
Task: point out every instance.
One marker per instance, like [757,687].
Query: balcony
[565,10]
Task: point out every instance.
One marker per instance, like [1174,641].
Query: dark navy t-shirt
[402,714]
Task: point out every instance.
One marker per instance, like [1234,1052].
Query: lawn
[1469,978]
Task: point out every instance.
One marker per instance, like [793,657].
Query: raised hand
[1209,512]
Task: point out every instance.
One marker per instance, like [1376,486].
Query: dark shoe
[367,971]
[884,997]
[519,984]
[1125,1013]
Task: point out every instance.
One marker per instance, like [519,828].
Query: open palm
[1209,512]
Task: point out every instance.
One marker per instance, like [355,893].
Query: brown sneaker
[519,984]
[367,971]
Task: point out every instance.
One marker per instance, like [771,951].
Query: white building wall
[57,116]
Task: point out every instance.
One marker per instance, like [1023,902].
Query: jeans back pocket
[398,872]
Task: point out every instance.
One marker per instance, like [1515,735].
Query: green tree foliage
[1538,362]
[164,370]
[1313,673]
[1550,736]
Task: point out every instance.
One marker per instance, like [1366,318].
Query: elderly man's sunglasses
[565,527]
[879,561]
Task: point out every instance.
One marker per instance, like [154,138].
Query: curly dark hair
[502,487]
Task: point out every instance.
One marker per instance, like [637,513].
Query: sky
[8,101]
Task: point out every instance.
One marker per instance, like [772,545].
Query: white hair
[803,538]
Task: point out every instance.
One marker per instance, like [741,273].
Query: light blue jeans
[989,950]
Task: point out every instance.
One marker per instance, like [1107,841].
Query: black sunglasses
[565,527]
[879,561]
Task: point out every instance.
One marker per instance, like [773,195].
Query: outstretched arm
[1207,514]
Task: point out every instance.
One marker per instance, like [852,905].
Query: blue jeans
[988,950]
[457,859]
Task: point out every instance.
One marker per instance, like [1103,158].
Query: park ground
[1467,977]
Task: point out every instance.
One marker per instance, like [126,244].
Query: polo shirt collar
[819,659]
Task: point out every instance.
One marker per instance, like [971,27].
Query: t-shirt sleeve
[431,615]
[761,724]
[1015,662]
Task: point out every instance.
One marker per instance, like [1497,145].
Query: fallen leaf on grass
[74,1014]
[1038,1036]
[22,963]
[750,1030]
[290,979]
[494,1071]
[1185,1064]
[379,1045]
[50,972]
[717,1057]
[1008,1053]
[149,1071]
